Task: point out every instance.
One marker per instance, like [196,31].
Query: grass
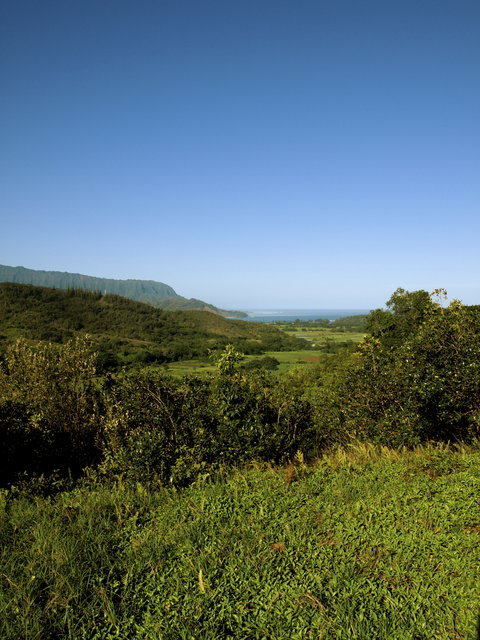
[189,367]
[288,360]
[291,359]
[367,544]
[322,335]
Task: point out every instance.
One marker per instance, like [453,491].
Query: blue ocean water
[290,315]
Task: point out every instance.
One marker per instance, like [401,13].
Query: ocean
[290,315]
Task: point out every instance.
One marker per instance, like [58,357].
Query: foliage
[125,332]
[406,313]
[48,407]
[268,363]
[227,360]
[370,543]
[416,379]
[161,427]
[350,323]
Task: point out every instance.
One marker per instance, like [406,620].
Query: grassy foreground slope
[369,544]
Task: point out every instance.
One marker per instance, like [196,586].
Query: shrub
[48,407]
[424,387]
[159,427]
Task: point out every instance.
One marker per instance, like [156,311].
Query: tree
[48,407]
[406,312]
[422,385]
[227,360]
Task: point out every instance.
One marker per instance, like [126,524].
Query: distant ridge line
[157,294]
[142,290]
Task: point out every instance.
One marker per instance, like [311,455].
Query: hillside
[126,331]
[157,294]
[365,545]
[240,505]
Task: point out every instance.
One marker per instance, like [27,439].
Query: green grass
[291,359]
[288,360]
[320,335]
[189,367]
[368,544]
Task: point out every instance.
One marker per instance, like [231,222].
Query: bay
[290,315]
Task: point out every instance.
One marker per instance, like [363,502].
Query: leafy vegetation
[49,409]
[416,378]
[267,362]
[368,543]
[409,382]
[126,332]
[241,504]
[356,323]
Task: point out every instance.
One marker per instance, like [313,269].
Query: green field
[189,367]
[321,335]
[368,544]
[288,360]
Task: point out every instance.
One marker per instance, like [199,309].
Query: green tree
[424,385]
[48,406]
[227,360]
[405,313]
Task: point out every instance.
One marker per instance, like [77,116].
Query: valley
[170,474]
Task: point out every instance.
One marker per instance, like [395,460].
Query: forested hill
[155,293]
[126,331]
[143,290]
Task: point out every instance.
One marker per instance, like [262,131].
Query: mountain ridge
[155,293]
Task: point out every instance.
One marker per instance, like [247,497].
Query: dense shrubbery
[176,429]
[415,378]
[49,411]
[267,363]
[54,415]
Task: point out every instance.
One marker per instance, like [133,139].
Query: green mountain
[157,294]
[125,331]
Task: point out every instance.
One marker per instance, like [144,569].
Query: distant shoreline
[290,315]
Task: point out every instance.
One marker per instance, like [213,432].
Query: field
[367,544]
[288,360]
[323,335]
[324,339]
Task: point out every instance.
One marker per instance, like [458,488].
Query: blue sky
[276,153]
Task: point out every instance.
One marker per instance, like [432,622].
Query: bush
[425,386]
[160,427]
[267,363]
[48,408]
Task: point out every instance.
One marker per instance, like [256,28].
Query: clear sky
[254,154]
